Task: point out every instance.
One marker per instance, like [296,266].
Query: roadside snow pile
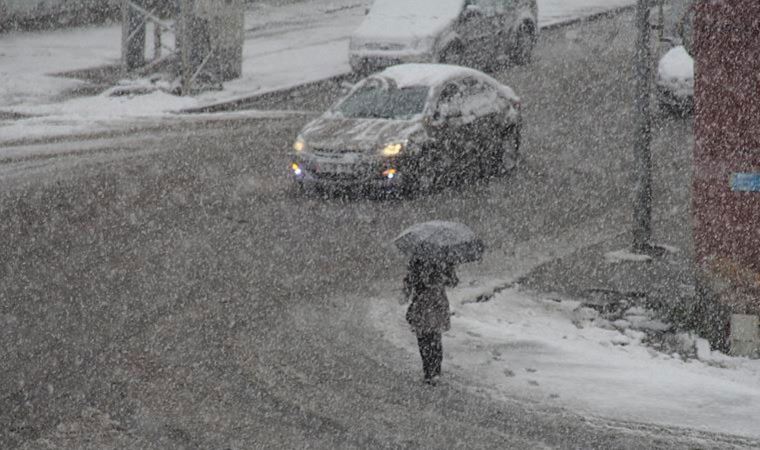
[137,98]
[518,346]
[131,102]
[28,60]
[625,255]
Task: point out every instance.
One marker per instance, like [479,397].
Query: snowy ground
[285,46]
[537,348]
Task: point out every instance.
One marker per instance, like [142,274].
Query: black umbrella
[449,242]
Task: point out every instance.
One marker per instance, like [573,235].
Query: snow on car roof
[406,75]
[419,8]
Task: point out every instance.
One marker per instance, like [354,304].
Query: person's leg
[425,342]
[436,350]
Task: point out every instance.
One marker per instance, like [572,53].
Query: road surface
[165,288]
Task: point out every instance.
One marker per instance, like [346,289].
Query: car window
[451,100]
[479,98]
[491,7]
[381,101]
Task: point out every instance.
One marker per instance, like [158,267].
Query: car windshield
[383,102]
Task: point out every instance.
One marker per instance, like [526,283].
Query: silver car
[410,128]
[675,80]
[484,34]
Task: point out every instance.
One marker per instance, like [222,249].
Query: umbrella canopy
[449,242]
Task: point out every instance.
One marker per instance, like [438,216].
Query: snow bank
[104,106]
[517,346]
[625,255]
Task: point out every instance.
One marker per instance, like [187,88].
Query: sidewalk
[608,273]
[286,46]
[535,340]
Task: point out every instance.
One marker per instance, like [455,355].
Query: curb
[243,102]
[590,18]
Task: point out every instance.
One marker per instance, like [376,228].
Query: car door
[449,129]
[483,113]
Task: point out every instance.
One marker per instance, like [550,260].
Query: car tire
[525,42]
[508,154]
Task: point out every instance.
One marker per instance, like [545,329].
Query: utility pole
[124,36]
[185,43]
[642,201]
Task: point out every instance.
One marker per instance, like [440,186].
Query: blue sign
[745,182]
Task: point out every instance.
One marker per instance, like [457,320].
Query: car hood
[406,22]
[336,134]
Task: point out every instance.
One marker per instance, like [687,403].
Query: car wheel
[525,42]
[509,153]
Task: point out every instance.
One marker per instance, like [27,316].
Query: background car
[483,34]
[675,80]
[409,128]
[675,69]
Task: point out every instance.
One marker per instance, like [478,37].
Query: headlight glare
[393,149]
[299,145]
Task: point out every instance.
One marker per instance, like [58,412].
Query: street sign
[745,182]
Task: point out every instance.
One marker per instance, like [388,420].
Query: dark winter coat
[426,287]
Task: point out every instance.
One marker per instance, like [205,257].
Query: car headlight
[393,149]
[299,145]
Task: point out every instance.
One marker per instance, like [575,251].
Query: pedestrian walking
[429,314]
[434,248]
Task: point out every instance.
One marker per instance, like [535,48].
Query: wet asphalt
[170,289]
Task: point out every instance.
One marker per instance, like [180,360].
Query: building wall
[727,132]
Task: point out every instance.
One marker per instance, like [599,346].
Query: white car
[675,80]
[483,34]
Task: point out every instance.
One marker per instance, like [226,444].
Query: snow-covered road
[286,46]
[241,316]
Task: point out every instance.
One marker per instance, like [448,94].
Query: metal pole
[186,70]
[124,35]
[642,202]
[156,41]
